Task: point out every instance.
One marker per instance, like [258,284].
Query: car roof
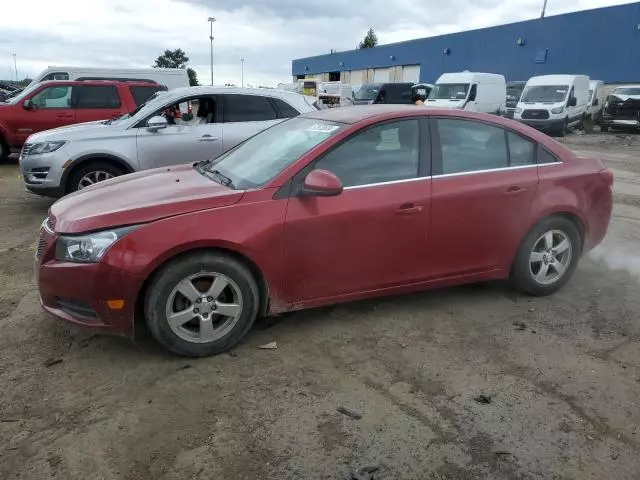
[99,82]
[213,90]
[357,113]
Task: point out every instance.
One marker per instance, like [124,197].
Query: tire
[525,269]
[604,128]
[564,129]
[4,150]
[100,171]
[197,330]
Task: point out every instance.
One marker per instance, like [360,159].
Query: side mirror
[321,183]
[472,93]
[157,123]
[28,105]
[572,102]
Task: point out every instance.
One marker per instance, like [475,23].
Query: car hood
[140,198]
[624,98]
[445,103]
[78,131]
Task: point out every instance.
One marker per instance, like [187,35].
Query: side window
[56,76]
[247,108]
[545,156]
[521,150]
[142,93]
[53,97]
[284,109]
[468,146]
[383,153]
[97,96]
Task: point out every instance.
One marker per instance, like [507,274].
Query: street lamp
[211,20]
[15,65]
[242,63]
[544,9]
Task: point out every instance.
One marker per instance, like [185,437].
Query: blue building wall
[603,43]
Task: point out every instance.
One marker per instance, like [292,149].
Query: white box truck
[554,103]
[472,91]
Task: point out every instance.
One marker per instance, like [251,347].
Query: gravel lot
[476,382]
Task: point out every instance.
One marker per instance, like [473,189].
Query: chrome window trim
[504,169]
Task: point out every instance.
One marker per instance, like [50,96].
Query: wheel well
[263,287]
[576,222]
[82,163]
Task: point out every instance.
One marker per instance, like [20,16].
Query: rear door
[484,182]
[51,108]
[244,116]
[97,102]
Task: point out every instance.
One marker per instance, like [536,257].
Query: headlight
[518,110]
[557,110]
[45,147]
[88,248]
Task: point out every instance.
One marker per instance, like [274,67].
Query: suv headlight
[45,147]
[88,248]
[557,110]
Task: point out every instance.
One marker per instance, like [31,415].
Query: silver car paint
[141,149]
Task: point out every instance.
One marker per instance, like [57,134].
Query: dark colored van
[383,93]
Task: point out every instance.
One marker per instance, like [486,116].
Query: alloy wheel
[204,307]
[550,257]
[94,177]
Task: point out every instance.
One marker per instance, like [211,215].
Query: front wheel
[93,173]
[604,128]
[565,128]
[201,304]
[4,149]
[548,257]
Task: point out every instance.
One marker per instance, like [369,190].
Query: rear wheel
[201,304]
[548,257]
[93,173]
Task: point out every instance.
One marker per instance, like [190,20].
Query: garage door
[357,77]
[381,75]
[411,73]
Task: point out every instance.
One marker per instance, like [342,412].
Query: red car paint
[311,251]
[18,122]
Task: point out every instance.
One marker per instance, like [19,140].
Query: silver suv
[164,131]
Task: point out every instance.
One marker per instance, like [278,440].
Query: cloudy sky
[267,33]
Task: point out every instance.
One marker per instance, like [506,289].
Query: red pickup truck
[58,103]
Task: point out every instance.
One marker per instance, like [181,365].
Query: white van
[472,91]
[597,100]
[554,103]
[169,77]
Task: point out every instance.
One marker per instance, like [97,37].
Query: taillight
[607,176]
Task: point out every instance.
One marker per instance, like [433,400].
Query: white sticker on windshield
[561,91]
[322,128]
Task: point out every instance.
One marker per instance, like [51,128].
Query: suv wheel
[4,149]
[93,173]
[201,304]
[548,257]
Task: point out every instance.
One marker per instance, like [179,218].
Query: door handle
[408,209]
[514,190]
[207,138]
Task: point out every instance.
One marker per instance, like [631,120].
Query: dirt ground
[560,378]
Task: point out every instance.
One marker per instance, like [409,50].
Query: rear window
[284,109]
[143,93]
[97,96]
[248,108]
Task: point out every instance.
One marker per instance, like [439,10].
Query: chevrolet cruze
[332,206]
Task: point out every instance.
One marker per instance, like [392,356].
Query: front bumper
[620,122]
[78,293]
[43,174]
[546,125]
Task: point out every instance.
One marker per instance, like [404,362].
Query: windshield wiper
[223,179]
[214,174]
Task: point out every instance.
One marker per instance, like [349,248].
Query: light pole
[544,9]
[242,64]
[211,20]
[15,66]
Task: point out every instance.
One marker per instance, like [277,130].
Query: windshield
[135,111]
[258,160]
[513,93]
[627,91]
[367,92]
[22,94]
[545,94]
[155,102]
[449,91]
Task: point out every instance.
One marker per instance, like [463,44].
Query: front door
[484,183]
[374,234]
[183,141]
[50,108]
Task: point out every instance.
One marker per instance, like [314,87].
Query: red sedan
[329,207]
